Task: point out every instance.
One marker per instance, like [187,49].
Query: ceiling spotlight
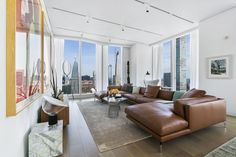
[88,19]
[122,28]
[147,7]
[109,40]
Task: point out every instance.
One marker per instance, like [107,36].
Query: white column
[104,67]
[125,58]
[173,69]
[194,59]
[158,62]
[99,66]
[59,58]
[157,53]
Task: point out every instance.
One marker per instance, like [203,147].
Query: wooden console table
[63,112]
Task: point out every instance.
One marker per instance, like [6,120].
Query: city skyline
[71,52]
[88,62]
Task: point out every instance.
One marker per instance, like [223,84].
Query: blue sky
[71,49]
[167,56]
[88,58]
[167,51]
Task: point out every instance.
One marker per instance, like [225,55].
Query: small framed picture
[219,67]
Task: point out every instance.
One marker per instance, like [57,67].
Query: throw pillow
[129,89]
[165,94]
[142,90]
[177,95]
[194,93]
[151,91]
[124,87]
[136,90]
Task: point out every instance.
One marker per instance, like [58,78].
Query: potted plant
[57,94]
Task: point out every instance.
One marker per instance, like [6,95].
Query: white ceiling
[68,18]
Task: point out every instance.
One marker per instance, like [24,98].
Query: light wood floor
[78,141]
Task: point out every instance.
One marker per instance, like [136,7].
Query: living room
[138,77]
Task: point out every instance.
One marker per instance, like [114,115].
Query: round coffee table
[114,105]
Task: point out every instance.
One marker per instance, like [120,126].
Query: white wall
[141,62]
[125,58]
[212,34]
[104,67]
[14,130]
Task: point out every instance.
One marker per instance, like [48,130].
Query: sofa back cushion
[194,93]
[177,95]
[136,90]
[151,91]
[124,87]
[127,88]
[179,104]
[142,90]
[165,94]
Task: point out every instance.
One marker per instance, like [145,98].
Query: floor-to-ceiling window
[88,67]
[183,63]
[114,65]
[70,67]
[176,70]
[79,67]
[166,76]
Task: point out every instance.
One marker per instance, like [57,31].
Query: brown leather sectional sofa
[166,121]
[139,98]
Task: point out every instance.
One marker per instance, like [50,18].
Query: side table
[114,105]
[46,141]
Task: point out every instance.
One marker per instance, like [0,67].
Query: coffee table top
[114,100]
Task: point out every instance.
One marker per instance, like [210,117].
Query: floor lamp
[147,74]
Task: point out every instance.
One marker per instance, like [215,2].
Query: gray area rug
[226,150]
[110,133]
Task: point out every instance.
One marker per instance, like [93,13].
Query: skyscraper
[110,78]
[74,81]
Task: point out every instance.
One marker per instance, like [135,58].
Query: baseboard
[78,96]
[231,114]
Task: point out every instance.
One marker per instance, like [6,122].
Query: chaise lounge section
[168,115]
[166,122]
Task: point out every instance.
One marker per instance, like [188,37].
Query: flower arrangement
[113,92]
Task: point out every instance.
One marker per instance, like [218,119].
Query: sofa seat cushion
[131,97]
[164,101]
[159,118]
[123,92]
[142,99]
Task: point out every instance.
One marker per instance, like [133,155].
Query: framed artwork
[25,54]
[219,67]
